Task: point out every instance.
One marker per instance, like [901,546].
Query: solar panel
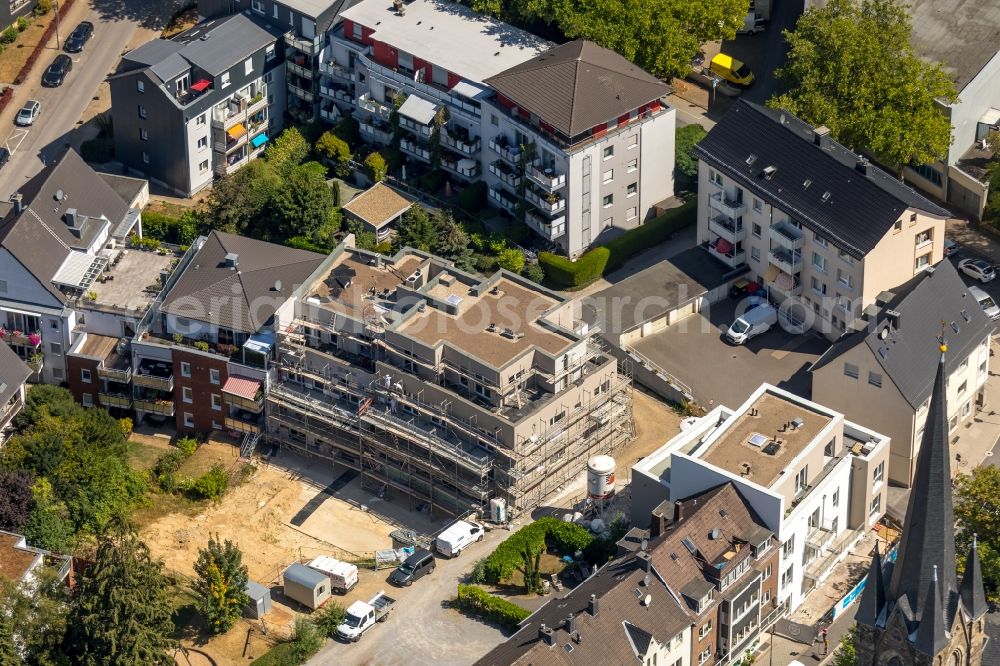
[758,440]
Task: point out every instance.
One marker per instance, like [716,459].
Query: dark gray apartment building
[201,104]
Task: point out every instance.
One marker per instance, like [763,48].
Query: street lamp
[55,4]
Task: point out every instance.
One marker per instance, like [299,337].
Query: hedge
[170,229]
[477,601]
[566,273]
[565,537]
[655,231]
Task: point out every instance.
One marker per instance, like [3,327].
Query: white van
[454,540]
[343,575]
[753,322]
[986,302]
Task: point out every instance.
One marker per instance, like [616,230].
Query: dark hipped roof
[13,373]
[906,354]
[578,85]
[858,210]
[247,293]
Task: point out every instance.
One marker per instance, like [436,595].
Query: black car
[416,566]
[79,36]
[57,71]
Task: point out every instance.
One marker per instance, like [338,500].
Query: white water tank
[600,477]
[498,510]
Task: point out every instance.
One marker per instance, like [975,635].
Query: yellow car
[732,70]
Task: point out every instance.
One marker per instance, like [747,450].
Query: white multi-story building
[816,480]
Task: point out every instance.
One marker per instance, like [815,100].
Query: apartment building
[823,230]
[882,373]
[475,98]
[817,481]
[60,234]
[13,376]
[441,387]
[199,105]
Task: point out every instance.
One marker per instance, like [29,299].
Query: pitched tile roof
[13,373]
[578,85]
[818,186]
[904,353]
[244,297]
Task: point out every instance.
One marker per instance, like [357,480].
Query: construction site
[386,371]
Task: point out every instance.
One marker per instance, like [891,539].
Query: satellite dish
[647,600]
[884,333]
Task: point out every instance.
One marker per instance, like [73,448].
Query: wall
[75,365]
[204,417]
[656,162]
[981,93]
[22,285]
[892,262]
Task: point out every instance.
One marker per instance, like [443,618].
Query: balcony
[10,410]
[548,229]
[377,131]
[374,106]
[414,149]
[299,69]
[336,70]
[503,200]
[330,114]
[117,374]
[726,252]
[787,260]
[160,407]
[461,142]
[238,424]
[463,167]
[115,400]
[155,375]
[546,177]
[725,227]
[415,127]
[727,206]
[785,284]
[254,406]
[31,339]
[238,108]
[302,93]
[232,163]
[550,203]
[786,235]
[506,175]
[502,147]
[307,46]
[819,536]
[225,143]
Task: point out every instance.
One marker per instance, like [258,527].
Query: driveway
[765,51]
[694,351]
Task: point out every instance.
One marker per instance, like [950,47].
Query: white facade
[675,652]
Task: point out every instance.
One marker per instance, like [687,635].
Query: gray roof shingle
[818,186]
[13,373]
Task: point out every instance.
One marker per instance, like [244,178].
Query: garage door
[682,312]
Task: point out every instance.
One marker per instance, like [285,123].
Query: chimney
[232,260]
[821,136]
[571,624]
[862,165]
[546,635]
[647,561]
[164,274]
[592,605]
[18,200]
[660,519]
[70,217]
[893,317]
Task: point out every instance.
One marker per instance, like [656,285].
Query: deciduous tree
[302,204]
[334,149]
[851,67]
[221,584]
[15,499]
[977,512]
[685,162]
[287,151]
[36,613]
[376,166]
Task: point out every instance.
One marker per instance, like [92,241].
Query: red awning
[242,387]
[200,85]
[722,246]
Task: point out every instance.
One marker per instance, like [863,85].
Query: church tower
[913,612]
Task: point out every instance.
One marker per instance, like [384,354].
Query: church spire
[973,594]
[932,635]
[873,596]
[928,541]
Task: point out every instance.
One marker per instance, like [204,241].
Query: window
[609,152]
[258,6]
[819,240]
[927,172]
[188,420]
[632,141]
[225,79]
[896,228]
[203,167]
[269,50]
[851,370]
[755,254]
[216,402]
[757,204]
[966,408]
[788,547]
[705,655]
[214,376]
[767,572]
[802,479]
[482,390]
[185,369]
[140,86]
[608,200]
[844,279]
[608,176]
[922,261]
[143,134]
[953,423]
[715,177]
[632,190]
[875,379]
[203,143]
[913,219]
[631,213]
[819,261]
[55,348]
[923,238]
[200,120]
[704,629]
[876,506]
[248,66]
[835,500]
[142,111]
[755,230]
[145,157]
[846,258]
[786,578]
[187,395]
[632,165]
[85,375]
[818,287]
[3,286]
[879,474]
[356,30]
[87,399]
[962,387]
[57,373]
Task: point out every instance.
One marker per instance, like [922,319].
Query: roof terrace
[353,280]
[131,280]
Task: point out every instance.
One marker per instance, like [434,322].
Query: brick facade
[195,392]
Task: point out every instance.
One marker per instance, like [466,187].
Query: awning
[784,281]
[241,387]
[418,109]
[772,272]
[261,343]
[991,117]
[722,246]
[236,131]
[258,140]
[200,85]
[468,89]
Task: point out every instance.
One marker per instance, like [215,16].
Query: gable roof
[13,373]
[578,85]
[379,204]
[245,296]
[906,354]
[858,209]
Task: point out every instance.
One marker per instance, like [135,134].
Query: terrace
[131,280]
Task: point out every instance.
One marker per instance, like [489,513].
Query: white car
[979,269]
[986,302]
[26,116]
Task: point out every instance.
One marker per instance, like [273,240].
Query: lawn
[15,55]
[143,455]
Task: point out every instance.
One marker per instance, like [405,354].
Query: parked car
[458,536]
[950,247]
[4,156]
[57,71]
[362,616]
[81,35]
[742,288]
[753,322]
[732,70]
[979,269]
[986,302]
[343,575]
[26,116]
[414,567]
[752,25]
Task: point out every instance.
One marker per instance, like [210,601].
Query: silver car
[986,302]
[26,116]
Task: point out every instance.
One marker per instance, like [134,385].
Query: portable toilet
[260,600]
[306,586]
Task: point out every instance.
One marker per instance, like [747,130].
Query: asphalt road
[32,147]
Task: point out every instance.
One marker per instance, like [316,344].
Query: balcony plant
[34,339]
[552,198]
[3,332]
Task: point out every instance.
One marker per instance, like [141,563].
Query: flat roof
[378,205]
[14,560]
[961,34]
[97,346]
[762,437]
[351,278]
[449,35]
[130,273]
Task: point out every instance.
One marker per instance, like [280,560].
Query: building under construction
[441,388]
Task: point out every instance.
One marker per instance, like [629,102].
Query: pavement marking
[17,136]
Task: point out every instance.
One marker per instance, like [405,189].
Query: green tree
[851,67]
[329,617]
[417,229]
[685,161]
[221,584]
[48,524]
[121,614]
[531,557]
[34,618]
[239,203]
[363,239]
[511,259]
[336,151]
[287,151]
[302,205]
[846,654]
[376,166]
[977,512]
[307,640]
[451,241]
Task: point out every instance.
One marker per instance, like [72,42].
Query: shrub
[305,243]
[385,247]
[328,617]
[43,7]
[170,229]
[484,263]
[472,199]
[97,150]
[23,23]
[187,446]
[9,36]
[201,345]
[376,166]
[566,273]
[307,641]
[652,233]
[479,602]
[565,537]
[335,151]
[211,484]
[125,425]
[432,181]
[165,468]
[511,259]
[533,272]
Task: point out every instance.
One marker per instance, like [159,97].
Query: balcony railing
[123,375]
[165,384]
[506,175]
[309,46]
[331,115]
[548,229]
[23,338]
[332,68]
[381,133]
[115,400]
[820,535]
[508,152]
[239,108]
[10,410]
[415,127]
[725,227]
[503,200]
[546,177]
[548,203]
[787,260]
[301,70]
[723,204]
[234,162]
[783,287]
[161,407]
[466,146]
[414,149]
[730,257]
[240,425]
[374,106]
[302,93]
[787,236]
[255,405]
[454,166]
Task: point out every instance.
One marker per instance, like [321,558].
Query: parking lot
[694,351]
